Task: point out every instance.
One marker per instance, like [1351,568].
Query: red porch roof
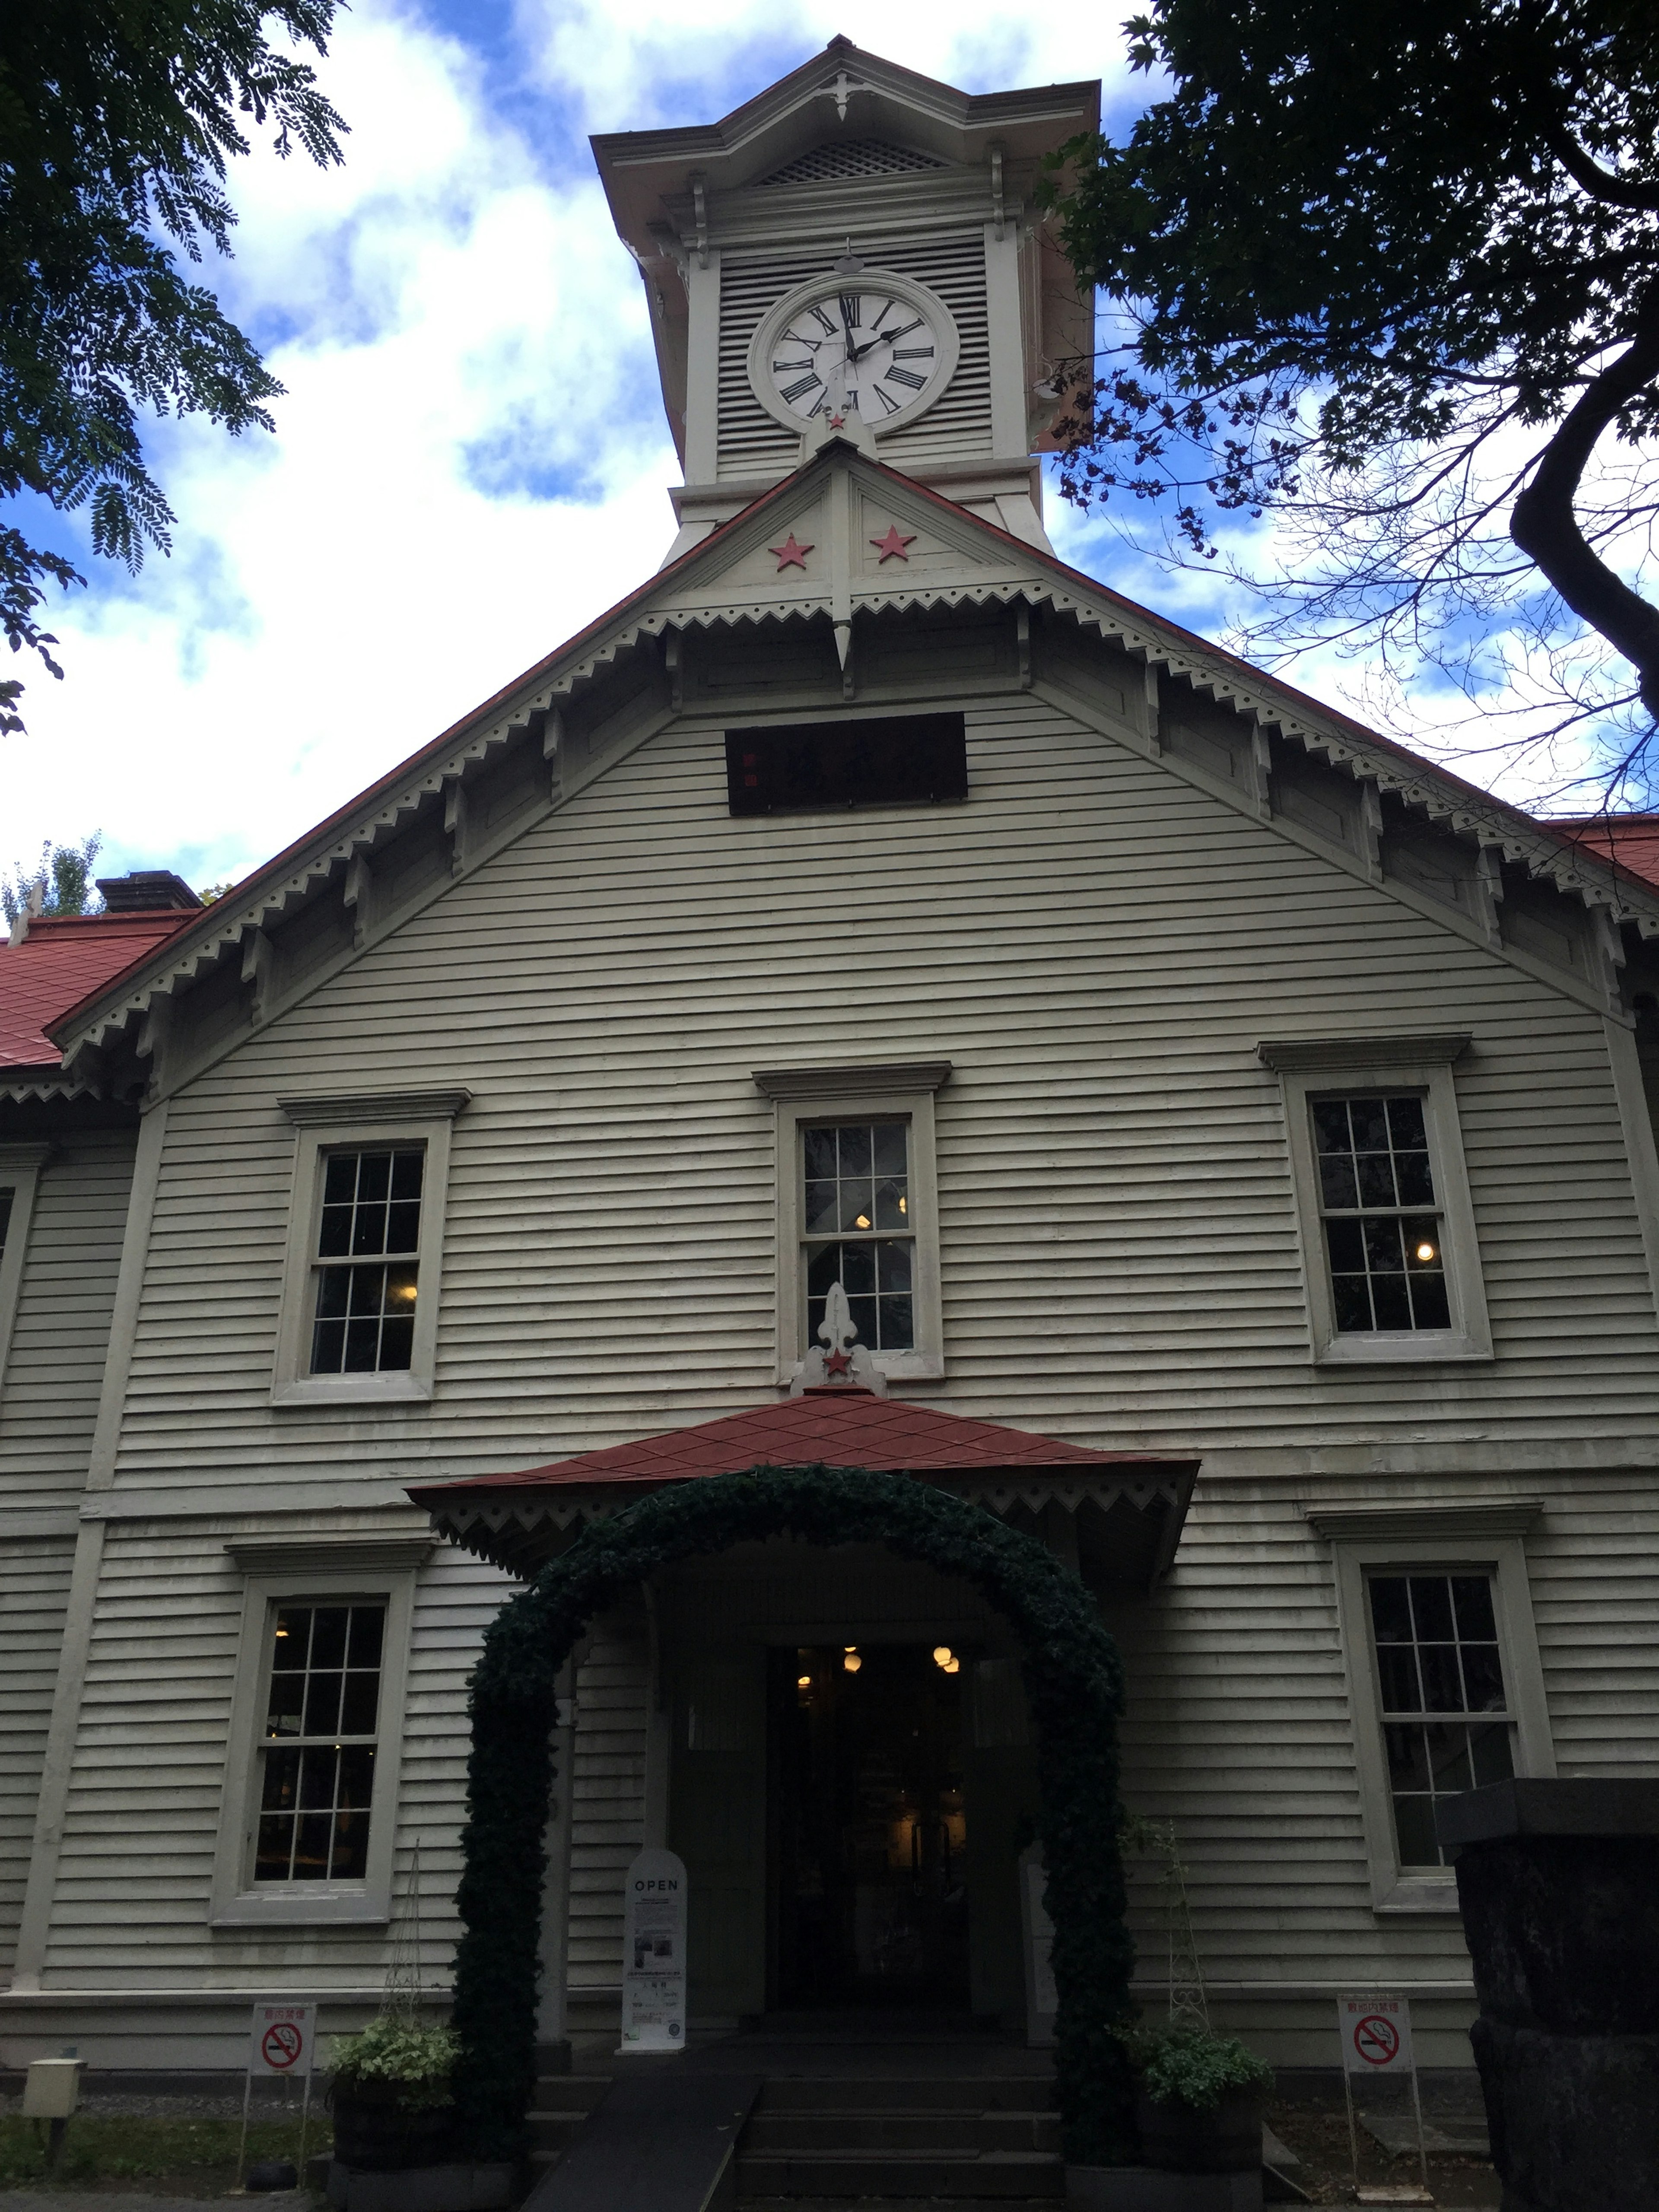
[842,1427]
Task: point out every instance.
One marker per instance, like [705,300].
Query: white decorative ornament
[841,1359]
[871,347]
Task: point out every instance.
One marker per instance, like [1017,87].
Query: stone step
[865,2204]
[932,2173]
[859,2129]
[973,2092]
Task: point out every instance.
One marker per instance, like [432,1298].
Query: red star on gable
[790,555]
[891,548]
[837,1364]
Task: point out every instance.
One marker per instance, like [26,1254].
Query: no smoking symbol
[1377,2039]
[282,2044]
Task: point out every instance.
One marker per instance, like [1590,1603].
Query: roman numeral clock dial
[879,350]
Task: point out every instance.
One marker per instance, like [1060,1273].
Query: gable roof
[722,581]
[61,959]
[1629,843]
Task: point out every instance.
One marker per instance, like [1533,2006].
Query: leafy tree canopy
[1394,272]
[63,876]
[116,121]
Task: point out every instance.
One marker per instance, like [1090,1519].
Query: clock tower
[854,252]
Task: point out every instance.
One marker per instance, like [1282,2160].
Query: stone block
[1574,2118]
[421,2188]
[1148,2188]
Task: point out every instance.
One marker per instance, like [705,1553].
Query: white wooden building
[1161,1063]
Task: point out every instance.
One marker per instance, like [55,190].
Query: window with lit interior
[318,1744]
[859,1230]
[367,1263]
[1379,1212]
[1446,1721]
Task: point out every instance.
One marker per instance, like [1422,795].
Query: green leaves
[1362,253]
[116,119]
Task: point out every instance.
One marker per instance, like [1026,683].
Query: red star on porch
[891,548]
[837,1364]
[790,555]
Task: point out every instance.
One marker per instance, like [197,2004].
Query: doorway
[869,1855]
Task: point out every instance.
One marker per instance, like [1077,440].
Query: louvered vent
[959,425]
[850,157]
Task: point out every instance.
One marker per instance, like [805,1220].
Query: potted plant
[390,2094]
[1197,2099]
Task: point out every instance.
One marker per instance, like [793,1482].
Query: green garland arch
[1074,1680]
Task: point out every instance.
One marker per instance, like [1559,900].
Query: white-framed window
[858,1205]
[20,1176]
[365,1248]
[1390,1250]
[1444,1680]
[311,1776]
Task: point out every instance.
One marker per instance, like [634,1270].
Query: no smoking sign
[282,2040]
[1377,2033]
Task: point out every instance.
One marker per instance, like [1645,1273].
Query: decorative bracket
[843,1362]
[359,890]
[999,215]
[455,822]
[700,215]
[553,749]
[256,969]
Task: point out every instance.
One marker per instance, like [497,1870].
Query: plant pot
[376,2132]
[1224,2137]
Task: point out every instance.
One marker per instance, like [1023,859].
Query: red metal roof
[60,960]
[1629,841]
[839,1426]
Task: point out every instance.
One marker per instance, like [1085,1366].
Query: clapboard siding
[1238,1726]
[1096,945]
[34,1580]
[55,1371]
[142,1826]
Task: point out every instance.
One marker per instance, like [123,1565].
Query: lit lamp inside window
[946,1660]
[850,1660]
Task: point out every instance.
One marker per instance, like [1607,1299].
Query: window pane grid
[368,1261]
[856,1208]
[1380,1220]
[1438,1668]
[322,1709]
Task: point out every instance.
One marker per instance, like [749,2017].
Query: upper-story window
[859,1230]
[1445,1712]
[1391,1258]
[364,1263]
[368,1266]
[882,761]
[1382,1222]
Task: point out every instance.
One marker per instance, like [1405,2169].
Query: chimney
[147,891]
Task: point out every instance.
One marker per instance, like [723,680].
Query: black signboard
[849,764]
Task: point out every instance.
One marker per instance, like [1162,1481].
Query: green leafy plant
[1193,2065]
[1074,1680]
[412,2061]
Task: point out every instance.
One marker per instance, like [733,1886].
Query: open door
[717,1823]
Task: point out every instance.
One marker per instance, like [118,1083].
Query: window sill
[311,1909]
[1407,1348]
[399,1388]
[1417,1895]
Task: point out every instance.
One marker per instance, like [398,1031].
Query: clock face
[857,349]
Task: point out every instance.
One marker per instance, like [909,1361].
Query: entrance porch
[835,1740]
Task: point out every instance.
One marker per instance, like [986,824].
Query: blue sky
[470,461]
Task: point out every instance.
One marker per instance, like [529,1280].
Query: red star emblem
[891,548]
[790,555]
[837,421]
[837,1364]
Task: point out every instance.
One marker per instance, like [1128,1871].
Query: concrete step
[932,2173]
[864,2204]
[953,2130]
[971,2093]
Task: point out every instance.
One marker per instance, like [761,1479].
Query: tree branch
[1619,191]
[1546,528]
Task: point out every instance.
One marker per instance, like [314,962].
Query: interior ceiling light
[803,1681]
[1426,1251]
[945,1659]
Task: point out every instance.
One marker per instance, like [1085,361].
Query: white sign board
[284,2039]
[1042,2003]
[653,1954]
[1375,2030]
